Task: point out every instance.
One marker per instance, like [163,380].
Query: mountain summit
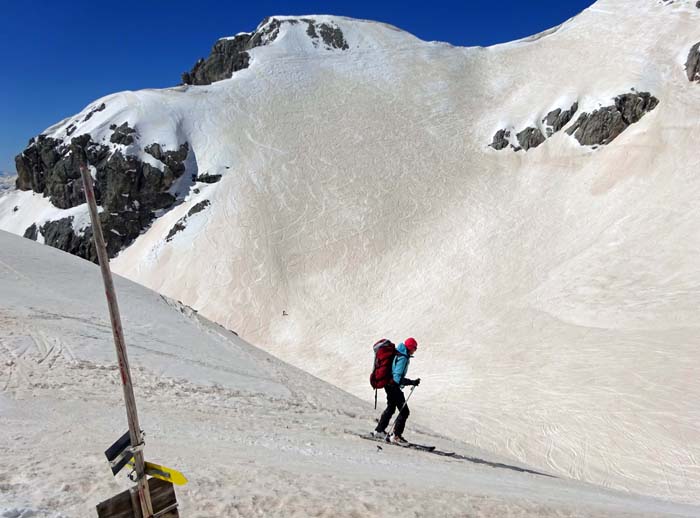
[527,211]
[287,36]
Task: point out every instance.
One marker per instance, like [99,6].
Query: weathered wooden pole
[120,344]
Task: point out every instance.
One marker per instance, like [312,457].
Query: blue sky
[59,56]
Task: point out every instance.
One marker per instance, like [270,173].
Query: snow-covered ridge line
[297,36]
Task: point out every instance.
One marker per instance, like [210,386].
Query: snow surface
[554,293]
[7,181]
[254,436]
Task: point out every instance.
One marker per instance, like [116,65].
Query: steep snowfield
[554,292]
[253,435]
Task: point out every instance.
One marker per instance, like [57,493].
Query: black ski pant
[394,399]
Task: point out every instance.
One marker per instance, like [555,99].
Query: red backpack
[384,352]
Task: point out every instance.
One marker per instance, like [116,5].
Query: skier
[394,395]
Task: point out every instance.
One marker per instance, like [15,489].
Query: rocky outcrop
[123,134]
[31,232]
[174,160]
[605,124]
[557,119]
[60,234]
[47,167]
[501,139]
[94,111]
[529,138]
[331,36]
[182,222]
[208,178]
[227,57]
[230,55]
[129,190]
[692,65]
[532,137]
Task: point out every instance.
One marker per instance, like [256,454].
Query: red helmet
[411,345]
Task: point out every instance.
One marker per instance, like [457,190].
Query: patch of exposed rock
[557,119]
[232,54]
[227,56]
[182,222]
[123,134]
[501,139]
[60,234]
[208,178]
[605,124]
[331,36]
[94,111]
[692,65]
[129,190]
[532,137]
[529,138]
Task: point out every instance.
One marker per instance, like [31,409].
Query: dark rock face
[60,234]
[557,119]
[231,55]
[94,111]
[500,139]
[123,135]
[692,65]
[208,178]
[332,37]
[41,155]
[182,222]
[530,138]
[634,106]
[130,191]
[227,57]
[31,232]
[605,124]
[174,160]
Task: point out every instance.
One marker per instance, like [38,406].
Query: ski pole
[391,430]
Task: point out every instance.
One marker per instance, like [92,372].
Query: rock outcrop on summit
[230,55]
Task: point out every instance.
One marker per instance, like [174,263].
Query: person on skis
[394,395]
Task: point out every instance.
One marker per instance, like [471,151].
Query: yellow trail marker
[164,473]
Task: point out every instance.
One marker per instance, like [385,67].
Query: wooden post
[120,344]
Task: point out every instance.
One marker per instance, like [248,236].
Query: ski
[410,445]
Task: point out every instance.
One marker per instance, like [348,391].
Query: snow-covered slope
[7,181]
[254,436]
[553,289]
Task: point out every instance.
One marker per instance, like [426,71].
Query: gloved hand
[416,382]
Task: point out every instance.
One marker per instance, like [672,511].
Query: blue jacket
[400,366]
